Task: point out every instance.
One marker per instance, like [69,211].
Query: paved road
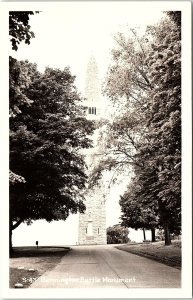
[108,267]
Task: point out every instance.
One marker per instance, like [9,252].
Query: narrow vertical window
[89,229]
[98,230]
[89,110]
[86,230]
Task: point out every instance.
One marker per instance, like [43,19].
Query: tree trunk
[11,228]
[144,236]
[153,234]
[10,240]
[167,235]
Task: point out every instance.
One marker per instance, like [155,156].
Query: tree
[176,17]
[21,75]
[144,84]
[161,150]
[165,121]
[45,148]
[126,86]
[135,212]
[117,234]
[19,28]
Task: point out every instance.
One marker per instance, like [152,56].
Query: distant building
[92,224]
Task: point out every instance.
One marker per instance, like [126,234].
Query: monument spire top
[92,88]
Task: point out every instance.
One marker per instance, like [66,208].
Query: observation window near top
[92,110]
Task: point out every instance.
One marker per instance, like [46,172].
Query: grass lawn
[169,255]
[40,260]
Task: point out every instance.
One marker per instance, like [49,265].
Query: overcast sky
[68,36]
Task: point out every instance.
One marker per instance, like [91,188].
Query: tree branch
[13,226]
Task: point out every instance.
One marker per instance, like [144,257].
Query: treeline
[143,140]
[48,130]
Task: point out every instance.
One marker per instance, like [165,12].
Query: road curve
[108,267]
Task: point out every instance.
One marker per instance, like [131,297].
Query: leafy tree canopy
[45,143]
[135,212]
[21,75]
[19,28]
[144,84]
[117,234]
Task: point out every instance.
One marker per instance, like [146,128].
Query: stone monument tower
[92,224]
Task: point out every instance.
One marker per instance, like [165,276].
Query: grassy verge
[169,255]
[40,260]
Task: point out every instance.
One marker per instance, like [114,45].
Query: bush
[117,234]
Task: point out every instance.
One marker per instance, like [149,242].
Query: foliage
[14,178]
[127,86]
[144,138]
[117,234]
[45,143]
[165,120]
[19,79]
[21,74]
[135,213]
[19,28]
[127,76]
[176,17]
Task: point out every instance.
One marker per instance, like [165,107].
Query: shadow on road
[40,251]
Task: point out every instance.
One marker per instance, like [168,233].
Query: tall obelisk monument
[92,224]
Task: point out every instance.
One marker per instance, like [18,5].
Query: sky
[68,37]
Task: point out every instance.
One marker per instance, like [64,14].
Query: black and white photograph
[97,126]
